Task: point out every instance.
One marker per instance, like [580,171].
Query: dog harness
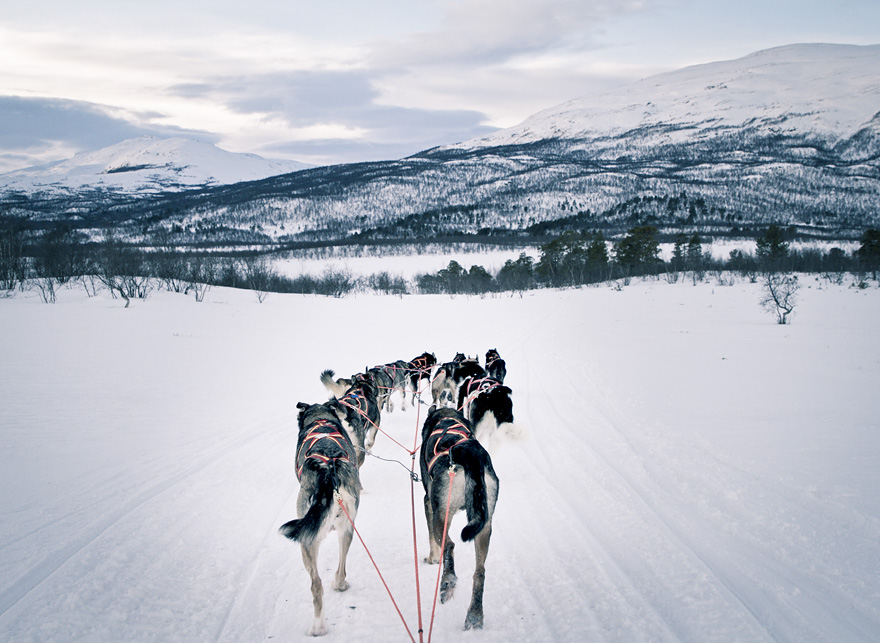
[420,364]
[453,427]
[313,436]
[361,409]
[474,389]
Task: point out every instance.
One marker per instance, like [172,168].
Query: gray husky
[327,469]
[450,455]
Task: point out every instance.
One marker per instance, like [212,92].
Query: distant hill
[146,165]
[789,135]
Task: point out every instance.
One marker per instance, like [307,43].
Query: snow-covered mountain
[789,135]
[148,164]
[828,91]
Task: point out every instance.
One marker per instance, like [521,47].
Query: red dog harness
[313,436]
[455,428]
[474,389]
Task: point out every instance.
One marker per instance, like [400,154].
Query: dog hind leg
[440,530]
[474,619]
[310,560]
[345,530]
[345,538]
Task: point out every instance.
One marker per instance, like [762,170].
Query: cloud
[336,110]
[487,32]
[388,80]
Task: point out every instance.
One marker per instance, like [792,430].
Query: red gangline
[412,489]
[382,578]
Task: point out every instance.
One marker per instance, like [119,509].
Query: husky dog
[495,366]
[395,377]
[439,386]
[358,410]
[449,447]
[326,466]
[484,400]
[382,382]
[337,387]
[452,376]
[420,369]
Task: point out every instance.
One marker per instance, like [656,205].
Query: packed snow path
[687,470]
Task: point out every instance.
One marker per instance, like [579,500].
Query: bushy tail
[470,456]
[305,529]
[327,379]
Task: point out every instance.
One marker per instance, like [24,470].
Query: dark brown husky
[450,455]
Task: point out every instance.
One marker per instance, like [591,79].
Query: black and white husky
[451,375]
[486,404]
[441,384]
[496,367]
[326,466]
[451,456]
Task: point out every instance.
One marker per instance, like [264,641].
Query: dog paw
[318,629]
[474,621]
[341,587]
[447,588]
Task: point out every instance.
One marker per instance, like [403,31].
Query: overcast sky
[352,80]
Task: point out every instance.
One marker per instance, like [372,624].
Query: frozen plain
[686,469]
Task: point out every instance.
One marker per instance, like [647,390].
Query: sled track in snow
[52,562]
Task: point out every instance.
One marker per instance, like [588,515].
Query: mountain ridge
[789,135]
[148,164]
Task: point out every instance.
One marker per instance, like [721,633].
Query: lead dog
[450,455]
[495,366]
[326,466]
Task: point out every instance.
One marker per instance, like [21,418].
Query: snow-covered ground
[688,470]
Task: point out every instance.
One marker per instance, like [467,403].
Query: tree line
[63,256]
[579,258]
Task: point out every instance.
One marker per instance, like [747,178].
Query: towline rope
[413,479]
[372,560]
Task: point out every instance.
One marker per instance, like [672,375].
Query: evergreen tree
[597,256]
[869,251]
[517,275]
[678,251]
[638,250]
[772,248]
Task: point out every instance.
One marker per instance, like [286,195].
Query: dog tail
[327,379]
[305,529]
[471,460]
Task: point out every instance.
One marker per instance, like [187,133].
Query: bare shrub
[780,295]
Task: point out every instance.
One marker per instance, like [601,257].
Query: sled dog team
[333,440]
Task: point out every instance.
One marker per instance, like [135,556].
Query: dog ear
[302,405]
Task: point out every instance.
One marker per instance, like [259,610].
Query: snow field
[688,470]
